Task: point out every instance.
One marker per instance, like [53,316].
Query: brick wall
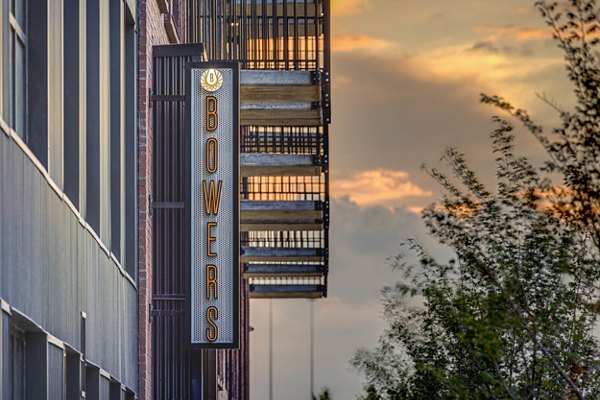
[232,364]
[151,32]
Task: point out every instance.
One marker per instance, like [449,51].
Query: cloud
[493,47]
[521,10]
[380,186]
[514,32]
[347,43]
[486,45]
[349,7]
[459,62]
[400,111]
[488,66]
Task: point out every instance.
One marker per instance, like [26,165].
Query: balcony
[266,34]
[292,264]
[284,52]
[287,288]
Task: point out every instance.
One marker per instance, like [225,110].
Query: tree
[512,315]
[324,395]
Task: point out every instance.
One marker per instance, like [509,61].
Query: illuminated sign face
[214,212]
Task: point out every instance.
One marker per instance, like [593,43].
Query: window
[17,351]
[17,65]
[117,29]
[73,100]
[130,147]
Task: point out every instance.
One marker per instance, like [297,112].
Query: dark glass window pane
[20,89]
[19,13]
[18,366]
[11,75]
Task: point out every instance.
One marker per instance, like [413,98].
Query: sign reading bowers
[212,101]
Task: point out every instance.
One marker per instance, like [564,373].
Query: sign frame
[235,194]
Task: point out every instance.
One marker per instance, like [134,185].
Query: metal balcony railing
[285,239]
[288,287]
[263,34]
[306,280]
[284,188]
[284,140]
[279,270]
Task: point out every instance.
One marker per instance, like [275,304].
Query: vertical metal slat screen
[171,358]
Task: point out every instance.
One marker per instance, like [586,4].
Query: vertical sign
[213,121]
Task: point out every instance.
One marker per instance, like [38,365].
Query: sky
[406,82]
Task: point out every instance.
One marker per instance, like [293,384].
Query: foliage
[324,395]
[512,316]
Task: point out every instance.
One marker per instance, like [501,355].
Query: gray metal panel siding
[56,377]
[52,269]
[130,329]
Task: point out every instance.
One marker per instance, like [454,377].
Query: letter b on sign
[212,119]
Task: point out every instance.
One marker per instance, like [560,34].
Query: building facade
[68,276]
[92,280]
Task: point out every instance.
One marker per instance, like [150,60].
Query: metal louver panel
[171,356]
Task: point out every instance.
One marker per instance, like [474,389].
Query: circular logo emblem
[211,80]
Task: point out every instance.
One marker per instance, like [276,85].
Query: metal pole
[312,350]
[270,349]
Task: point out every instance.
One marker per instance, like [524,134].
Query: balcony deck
[255,270]
[280,98]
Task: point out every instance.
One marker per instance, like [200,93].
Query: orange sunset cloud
[349,7]
[514,32]
[377,187]
[347,43]
[522,10]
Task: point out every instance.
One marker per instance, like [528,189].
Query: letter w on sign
[212,197]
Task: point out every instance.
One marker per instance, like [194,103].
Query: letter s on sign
[212,314]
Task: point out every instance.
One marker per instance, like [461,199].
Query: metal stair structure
[284,214]
[284,52]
